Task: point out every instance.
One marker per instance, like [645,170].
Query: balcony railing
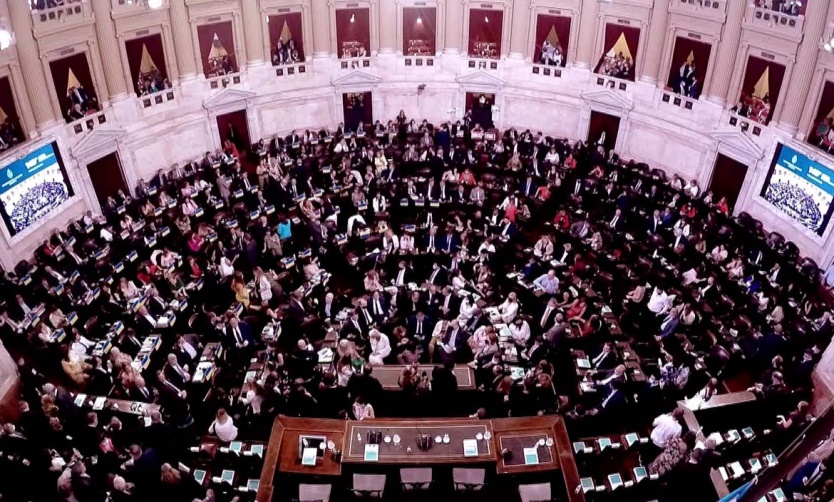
[354,63]
[68,11]
[223,81]
[744,124]
[88,123]
[678,100]
[425,61]
[483,64]
[547,70]
[286,70]
[785,24]
[716,5]
[613,83]
[137,6]
[156,98]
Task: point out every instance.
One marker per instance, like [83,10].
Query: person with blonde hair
[223,426]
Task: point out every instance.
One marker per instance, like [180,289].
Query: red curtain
[825,108]
[353,29]
[683,48]
[296,31]
[754,71]
[225,33]
[9,108]
[106,175]
[357,106]
[234,127]
[727,179]
[134,48]
[60,69]
[485,28]
[602,122]
[419,30]
[561,26]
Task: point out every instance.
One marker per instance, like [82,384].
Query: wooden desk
[389,375]
[692,424]
[439,453]
[515,434]
[282,453]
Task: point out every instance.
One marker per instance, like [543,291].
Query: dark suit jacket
[245,333]
[411,326]
[440,279]
[614,405]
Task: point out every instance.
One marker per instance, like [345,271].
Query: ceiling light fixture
[353,18]
[486,19]
[419,20]
[154,4]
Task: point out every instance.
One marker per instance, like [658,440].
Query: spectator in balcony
[151,82]
[9,134]
[285,53]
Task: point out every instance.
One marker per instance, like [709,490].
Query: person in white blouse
[509,308]
[223,426]
[659,302]
[406,244]
[362,410]
[718,254]
[128,289]
[390,241]
[252,395]
[467,308]
[262,286]
[692,188]
[379,203]
[226,267]
[380,348]
[520,331]
[552,157]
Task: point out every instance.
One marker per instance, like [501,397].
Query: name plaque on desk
[308,457]
[531,456]
[470,447]
[371,453]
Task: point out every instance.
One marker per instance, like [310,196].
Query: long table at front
[350,437]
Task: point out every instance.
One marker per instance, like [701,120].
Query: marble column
[657,39]
[31,67]
[727,53]
[253,32]
[183,41]
[803,70]
[108,49]
[388,27]
[321,28]
[454,27]
[588,19]
[520,27]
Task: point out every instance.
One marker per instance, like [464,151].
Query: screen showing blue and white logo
[800,187]
[32,187]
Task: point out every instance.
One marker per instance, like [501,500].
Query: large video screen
[800,187]
[33,186]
